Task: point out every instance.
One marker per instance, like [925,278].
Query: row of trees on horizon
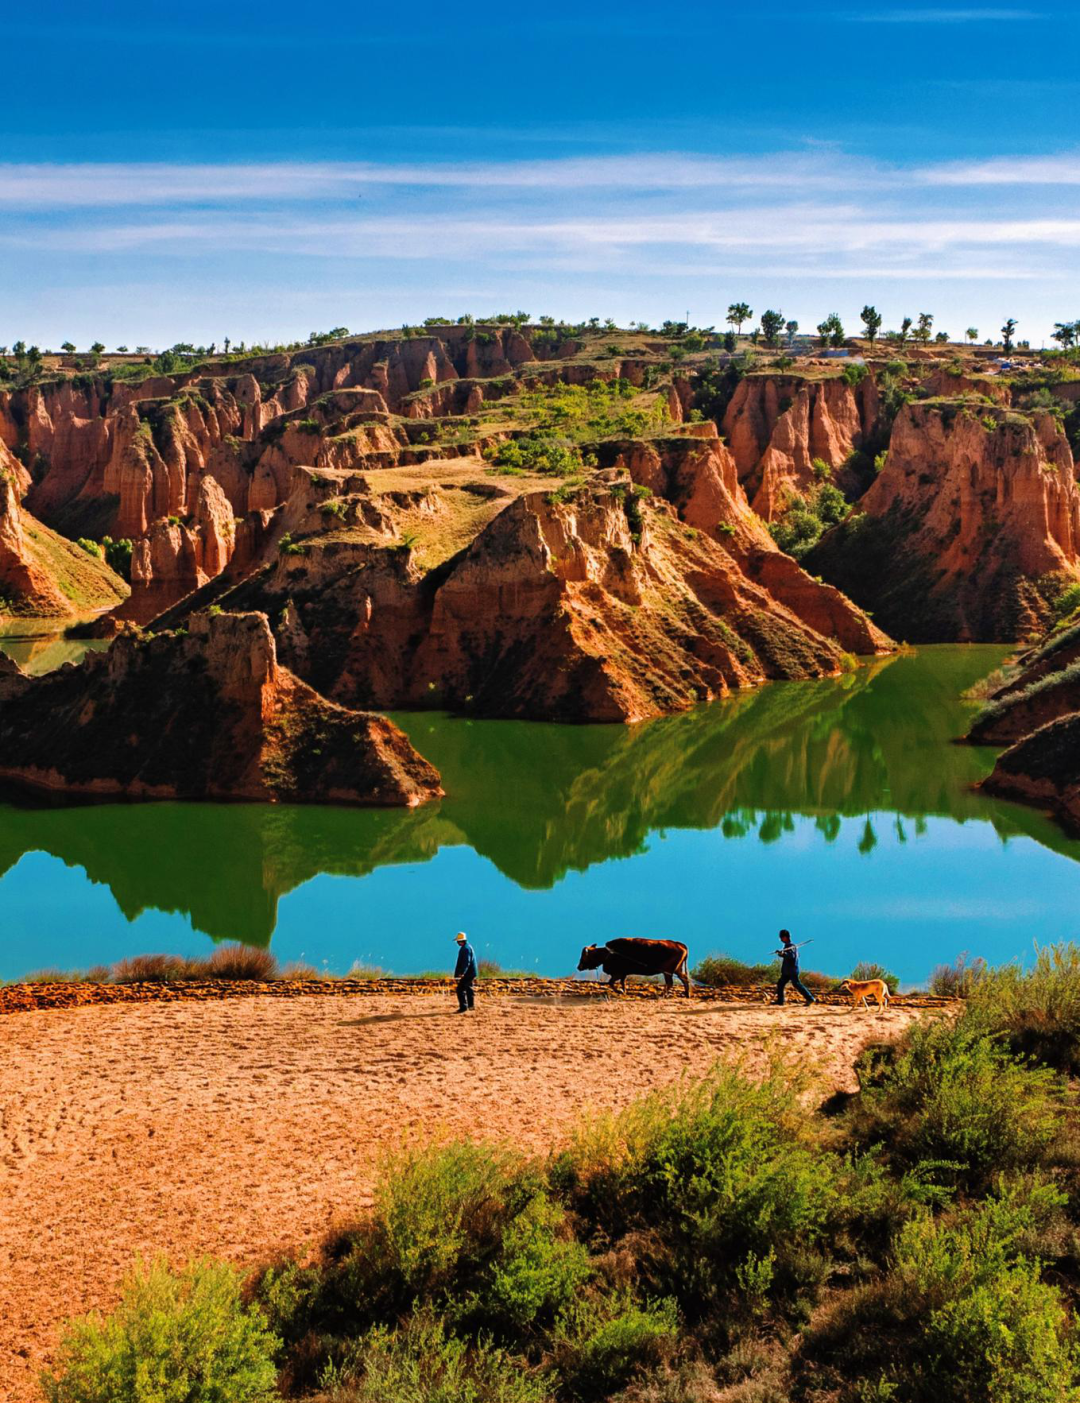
[773,331]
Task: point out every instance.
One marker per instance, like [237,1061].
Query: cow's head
[845,986]
[593,956]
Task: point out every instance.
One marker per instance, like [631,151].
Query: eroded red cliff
[209,714]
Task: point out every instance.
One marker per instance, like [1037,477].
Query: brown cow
[631,955]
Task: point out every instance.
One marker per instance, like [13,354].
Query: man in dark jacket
[465,974]
[789,970]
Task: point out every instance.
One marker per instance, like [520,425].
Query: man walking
[465,974]
[789,969]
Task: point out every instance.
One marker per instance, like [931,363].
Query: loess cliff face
[644,589]
[969,532]
[209,714]
[777,425]
[41,573]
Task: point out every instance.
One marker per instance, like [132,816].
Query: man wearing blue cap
[465,974]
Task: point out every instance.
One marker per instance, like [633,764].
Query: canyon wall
[969,532]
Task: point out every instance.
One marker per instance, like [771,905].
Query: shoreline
[44,995]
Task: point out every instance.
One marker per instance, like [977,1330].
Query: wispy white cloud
[43,187]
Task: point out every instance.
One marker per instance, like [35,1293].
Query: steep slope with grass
[206,715]
[44,575]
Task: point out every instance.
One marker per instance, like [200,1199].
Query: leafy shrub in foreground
[181,1336]
[723,1181]
[1038,1010]
[420,1362]
[951,1096]
[962,1317]
[604,1342]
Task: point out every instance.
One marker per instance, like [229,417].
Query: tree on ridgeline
[905,330]
[1007,332]
[871,318]
[791,328]
[972,334]
[68,347]
[831,330]
[1066,333]
[97,348]
[771,325]
[922,331]
[738,313]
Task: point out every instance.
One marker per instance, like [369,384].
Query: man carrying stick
[789,969]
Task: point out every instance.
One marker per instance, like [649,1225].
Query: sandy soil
[244,1127]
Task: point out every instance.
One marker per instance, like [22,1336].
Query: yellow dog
[863,989]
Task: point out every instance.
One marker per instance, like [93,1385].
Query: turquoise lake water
[841,809]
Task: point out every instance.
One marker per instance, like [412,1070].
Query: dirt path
[251,1125]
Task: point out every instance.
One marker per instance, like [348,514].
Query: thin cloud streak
[41,188]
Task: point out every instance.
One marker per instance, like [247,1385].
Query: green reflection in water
[540,800]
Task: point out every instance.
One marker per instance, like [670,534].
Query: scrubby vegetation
[915,1242]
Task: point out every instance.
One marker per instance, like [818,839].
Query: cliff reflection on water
[538,801]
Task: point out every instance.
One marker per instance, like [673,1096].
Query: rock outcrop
[41,573]
[583,603]
[1043,770]
[210,714]
[777,425]
[970,530]
[1042,686]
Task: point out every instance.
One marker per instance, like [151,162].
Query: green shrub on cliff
[175,1337]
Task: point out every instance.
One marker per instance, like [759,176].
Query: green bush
[723,1177]
[90,547]
[538,1270]
[951,1097]
[435,1230]
[1036,1011]
[957,981]
[182,1337]
[715,971]
[420,1362]
[604,1342]
[962,1317]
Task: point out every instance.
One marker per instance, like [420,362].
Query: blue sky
[260,171]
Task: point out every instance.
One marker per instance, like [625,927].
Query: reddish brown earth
[591,603]
[205,715]
[777,425]
[969,532]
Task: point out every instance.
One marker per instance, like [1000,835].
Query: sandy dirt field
[245,1127]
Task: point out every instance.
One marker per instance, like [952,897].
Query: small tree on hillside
[68,347]
[791,328]
[1007,334]
[771,325]
[738,313]
[831,330]
[972,334]
[871,318]
[97,348]
[922,331]
[905,330]
[1065,332]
